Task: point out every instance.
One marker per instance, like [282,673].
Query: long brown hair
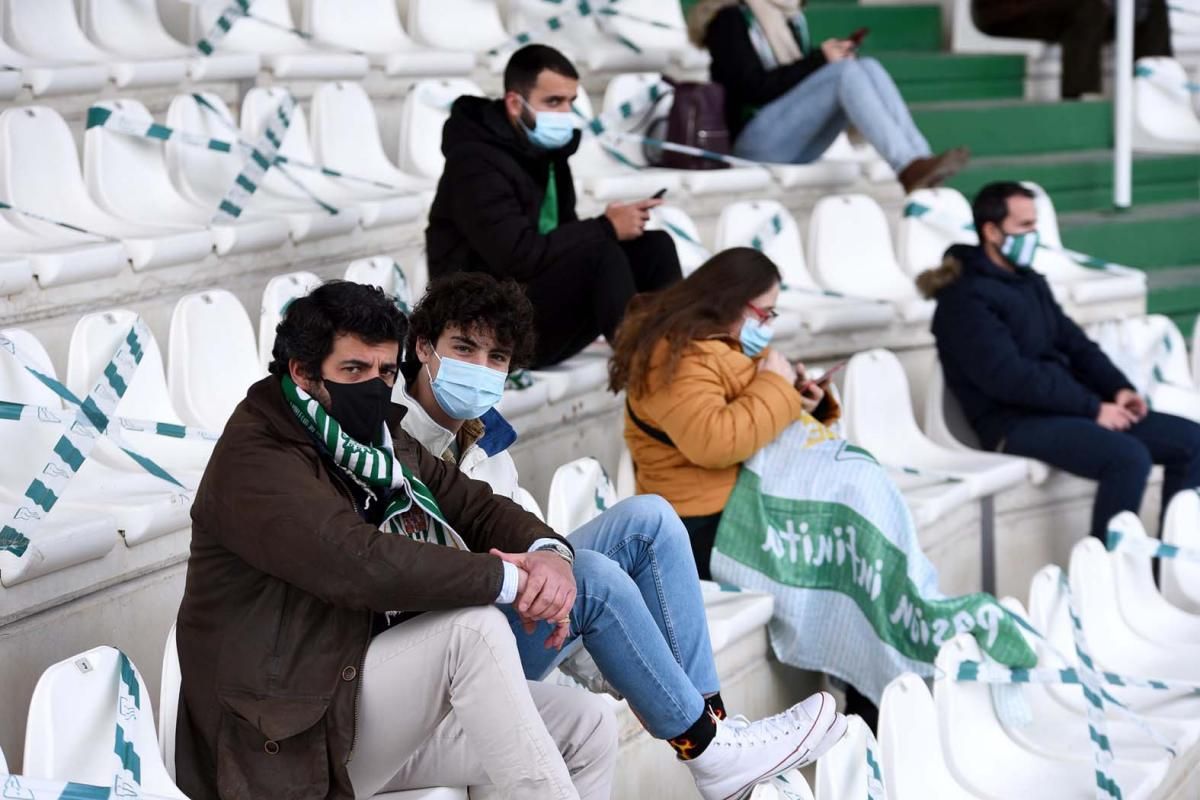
[704,304]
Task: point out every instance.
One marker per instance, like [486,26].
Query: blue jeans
[798,126]
[1119,460]
[639,613]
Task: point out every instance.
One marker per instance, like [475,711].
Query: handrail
[1123,107]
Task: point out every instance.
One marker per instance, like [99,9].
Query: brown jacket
[719,410]
[281,582]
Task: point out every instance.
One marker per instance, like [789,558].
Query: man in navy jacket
[1030,381]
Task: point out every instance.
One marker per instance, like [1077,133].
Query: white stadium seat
[843,770]
[579,374]
[373,27]
[850,249]
[128,177]
[387,274]
[74,715]
[922,239]
[46,78]
[426,108]
[206,176]
[440,24]
[39,172]
[1164,119]
[1181,527]
[170,684]
[132,29]
[50,30]
[57,256]
[683,231]
[912,760]
[374,207]
[742,223]
[579,492]
[3,764]
[1142,606]
[16,275]
[211,336]
[278,294]
[271,37]
[626,475]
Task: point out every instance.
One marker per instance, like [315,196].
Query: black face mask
[360,408]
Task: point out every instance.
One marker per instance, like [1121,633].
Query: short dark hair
[526,64]
[991,204]
[473,301]
[311,323]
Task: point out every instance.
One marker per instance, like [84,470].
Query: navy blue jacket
[1007,349]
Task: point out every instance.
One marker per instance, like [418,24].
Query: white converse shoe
[744,754]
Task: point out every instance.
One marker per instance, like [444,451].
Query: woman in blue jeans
[786,101]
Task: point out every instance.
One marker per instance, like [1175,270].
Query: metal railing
[1123,107]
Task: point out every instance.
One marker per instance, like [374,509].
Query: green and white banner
[817,522]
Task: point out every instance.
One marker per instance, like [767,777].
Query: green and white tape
[1142,71]
[22,412]
[232,13]
[1146,547]
[581,9]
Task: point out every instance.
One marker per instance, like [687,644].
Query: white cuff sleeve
[508,589]
[543,543]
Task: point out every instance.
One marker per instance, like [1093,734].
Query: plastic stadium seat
[1164,120]
[842,771]
[132,29]
[683,231]
[921,241]
[284,53]
[278,294]
[205,176]
[93,342]
[984,756]
[373,27]
[1153,355]
[528,400]
[626,476]
[213,358]
[386,273]
[526,501]
[850,249]
[127,177]
[72,719]
[741,223]
[47,77]
[912,761]
[374,206]
[39,172]
[946,424]
[579,374]
[1142,606]
[440,24]
[632,88]
[345,137]
[580,491]
[49,30]
[426,108]
[16,275]
[1181,527]
[966,38]
[1081,284]
[170,684]
[3,764]
[58,256]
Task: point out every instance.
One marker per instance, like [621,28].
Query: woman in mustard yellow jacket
[704,391]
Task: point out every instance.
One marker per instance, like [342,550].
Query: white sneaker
[744,754]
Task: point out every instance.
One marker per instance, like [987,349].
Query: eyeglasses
[764,314]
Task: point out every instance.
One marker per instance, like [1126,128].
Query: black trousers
[1080,26]
[585,296]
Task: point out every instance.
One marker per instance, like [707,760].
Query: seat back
[201,174]
[168,701]
[913,765]
[580,491]
[266,32]
[121,25]
[591,160]
[626,475]
[426,108]
[528,502]
[39,170]
[1047,217]
[95,338]
[1162,103]
[1142,606]
[1181,527]
[387,274]
[49,28]
[683,231]
[367,25]
[850,249]
[878,407]
[945,422]
[278,294]
[258,107]
[440,23]
[772,226]
[842,771]
[345,130]
[632,89]
[213,357]
[933,220]
[18,385]
[1149,350]
[78,707]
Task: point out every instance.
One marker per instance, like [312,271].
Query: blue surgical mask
[465,391]
[755,336]
[1019,248]
[551,129]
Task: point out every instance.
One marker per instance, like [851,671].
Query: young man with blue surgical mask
[1031,382]
[638,611]
[505,205]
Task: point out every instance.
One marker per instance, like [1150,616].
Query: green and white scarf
[412,510]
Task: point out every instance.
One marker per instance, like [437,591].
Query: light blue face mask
[465,391]
[1019,248]
[755,336]
[551,129]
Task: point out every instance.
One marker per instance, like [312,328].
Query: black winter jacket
[1007,349]
[485,214]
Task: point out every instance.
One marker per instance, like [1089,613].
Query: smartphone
[659,194]
[829,373]
[857,37]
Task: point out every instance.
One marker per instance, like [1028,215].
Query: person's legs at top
[702,531]
[799,125]
[1152,36]
[1118,461]
[654,260]
[464,664]
[888,95]
[1173,442]
[1083,36]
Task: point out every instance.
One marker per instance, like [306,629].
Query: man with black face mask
[505,205]
[338,635]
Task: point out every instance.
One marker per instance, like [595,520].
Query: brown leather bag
[697,119]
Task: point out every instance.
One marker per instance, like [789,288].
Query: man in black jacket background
[1029,379]
[505,205]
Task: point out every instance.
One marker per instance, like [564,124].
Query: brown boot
[923,173]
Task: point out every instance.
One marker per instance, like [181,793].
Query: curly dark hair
[473,301]
[311,323]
